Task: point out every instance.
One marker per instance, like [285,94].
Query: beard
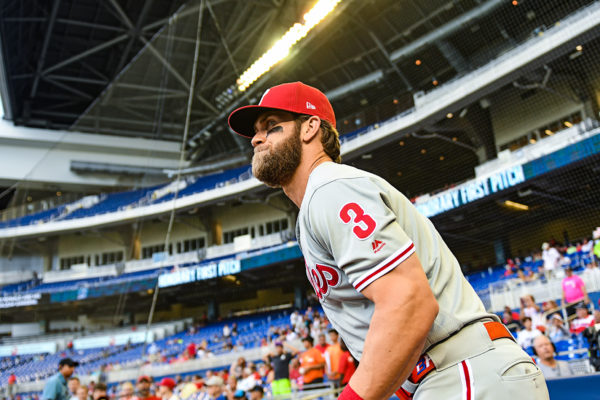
[276,167]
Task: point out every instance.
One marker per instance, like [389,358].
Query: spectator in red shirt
[322,345]
[583,320]
[295,376]
[12,386]
[346,366]
[191,350]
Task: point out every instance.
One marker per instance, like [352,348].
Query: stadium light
[516,206]
[282,47]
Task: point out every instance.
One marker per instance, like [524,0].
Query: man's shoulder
[332,175]
[54,379]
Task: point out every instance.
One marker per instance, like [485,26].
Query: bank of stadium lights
[568,124]
[282,47]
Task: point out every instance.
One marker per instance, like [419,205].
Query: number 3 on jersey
[364,225]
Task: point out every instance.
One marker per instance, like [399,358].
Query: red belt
[495,330]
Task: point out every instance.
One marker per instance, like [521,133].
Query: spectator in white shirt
[552,259]
[526,336]
[530,309]
[248,380]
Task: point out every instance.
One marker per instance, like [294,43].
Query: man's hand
[405,309]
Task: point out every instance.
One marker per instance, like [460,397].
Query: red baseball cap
[293,97]
[168,382]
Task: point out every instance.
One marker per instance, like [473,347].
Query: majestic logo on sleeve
[322,277]
[377,245]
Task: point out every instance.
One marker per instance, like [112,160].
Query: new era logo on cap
[293,97]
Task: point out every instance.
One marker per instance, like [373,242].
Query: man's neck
[549,362]
[296,188]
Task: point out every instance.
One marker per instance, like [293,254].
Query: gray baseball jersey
[354,227]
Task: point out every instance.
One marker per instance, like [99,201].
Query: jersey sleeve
[353,221]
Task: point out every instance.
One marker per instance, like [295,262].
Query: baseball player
[385,278]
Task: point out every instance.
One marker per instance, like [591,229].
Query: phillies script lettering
[322,277]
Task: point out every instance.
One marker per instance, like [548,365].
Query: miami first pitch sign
[470,191]
[200,273]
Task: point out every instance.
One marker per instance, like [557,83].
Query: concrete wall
[154,232]
[513,116]
[42,158]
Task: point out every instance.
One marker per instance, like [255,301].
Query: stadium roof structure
[123,67]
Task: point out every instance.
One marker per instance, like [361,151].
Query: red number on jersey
[364,225]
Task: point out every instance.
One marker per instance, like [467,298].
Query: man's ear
[310,129]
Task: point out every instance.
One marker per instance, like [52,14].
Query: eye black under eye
[276,128]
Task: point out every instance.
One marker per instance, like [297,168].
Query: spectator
[583,319]
[82,393]
[557,330]
[346,366]
[165,389]
[551,258]
[143,386]
[73,384]
[515,315]
[526,336]
[56,387]
[102,378]
[232,384]
[191,350]
[214,388]
[322,344]
[573,290]
[126,392]
[226,331]
[257,393]
[532,310]
[237,368]
[512,324]
[248,380]
[99,391]
[597,316]
[332,358]
[295,375]
[551,368]
[280,360]
[12,386]
[312,363]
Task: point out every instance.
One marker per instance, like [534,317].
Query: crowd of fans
[284,369]
[555,258]
[536,328]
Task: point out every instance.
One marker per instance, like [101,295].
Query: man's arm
[586,298]
[405,309]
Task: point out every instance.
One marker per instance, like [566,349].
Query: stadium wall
[43,157]
[513,115]
[531,237]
